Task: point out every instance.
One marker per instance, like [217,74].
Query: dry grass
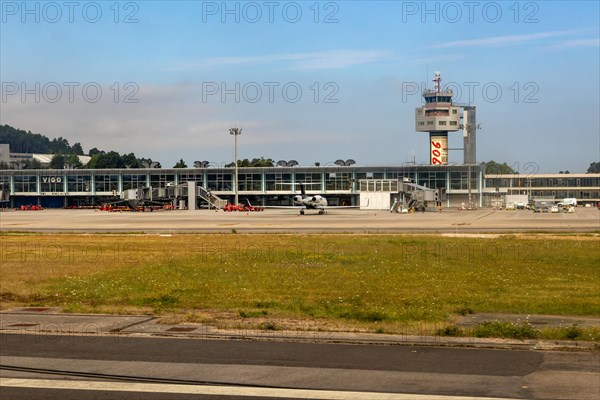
[365,282]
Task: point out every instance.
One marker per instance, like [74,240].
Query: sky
[306,80]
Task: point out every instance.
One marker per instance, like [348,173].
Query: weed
[464,311]
[506,330]
[268,326]
[449,331]
[252,314]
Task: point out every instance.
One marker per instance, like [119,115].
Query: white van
[568,202]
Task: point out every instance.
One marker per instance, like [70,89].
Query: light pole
[235,132]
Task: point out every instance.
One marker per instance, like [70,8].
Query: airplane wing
[314,208]
[328,207]
[284,207]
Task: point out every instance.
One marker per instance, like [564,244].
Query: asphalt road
[84,367]
[341,220]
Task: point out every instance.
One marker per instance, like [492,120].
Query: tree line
[66,156]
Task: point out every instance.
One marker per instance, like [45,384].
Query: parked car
[554,209]
[510,206]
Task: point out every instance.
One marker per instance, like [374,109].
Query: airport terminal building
[273,185]
[448,184]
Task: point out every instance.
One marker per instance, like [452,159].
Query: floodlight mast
[235,132]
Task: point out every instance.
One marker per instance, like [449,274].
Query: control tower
[438,117]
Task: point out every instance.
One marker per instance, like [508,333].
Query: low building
[262,186]
[273,185]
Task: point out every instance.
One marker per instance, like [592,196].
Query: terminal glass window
[78,183]
[25,183]
[52,184]
[134,181]
[369,175]
[220,182]
[4,183]
[191,177]
[399,175]
[161,180]
[338,181]
[458,180]
[106,183]
[432,179]
[274,182]
[589,182]
[309,178]
[250,182]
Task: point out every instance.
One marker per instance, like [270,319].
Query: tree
[111,159]
[95,151]
[262,162]
[180,164]
[58,161]
[60,145]
[492,167]
[130,160]
[72,161]
[256,162]
[594,168]
[77,149]
[30,164]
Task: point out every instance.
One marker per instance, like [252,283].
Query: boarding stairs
[212,199]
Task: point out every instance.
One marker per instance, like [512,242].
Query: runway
[75,367]
[288,221]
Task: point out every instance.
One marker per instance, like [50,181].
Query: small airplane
[306,202]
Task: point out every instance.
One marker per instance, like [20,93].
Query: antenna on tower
[437,82]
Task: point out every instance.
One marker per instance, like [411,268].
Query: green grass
[521,330]
[383,280]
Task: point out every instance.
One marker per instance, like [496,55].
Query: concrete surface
[341,220]
[50,321]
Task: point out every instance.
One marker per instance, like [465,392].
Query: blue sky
[311,81]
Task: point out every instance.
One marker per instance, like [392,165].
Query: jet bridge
[378,194]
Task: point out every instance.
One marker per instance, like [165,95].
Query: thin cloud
[577,43]
[497,41]
[335,59]
[437,59]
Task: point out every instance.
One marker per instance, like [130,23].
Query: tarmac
[484,220]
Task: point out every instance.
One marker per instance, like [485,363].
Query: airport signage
[52,179]
[439,150]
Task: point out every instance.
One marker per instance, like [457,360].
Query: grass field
[383,281]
